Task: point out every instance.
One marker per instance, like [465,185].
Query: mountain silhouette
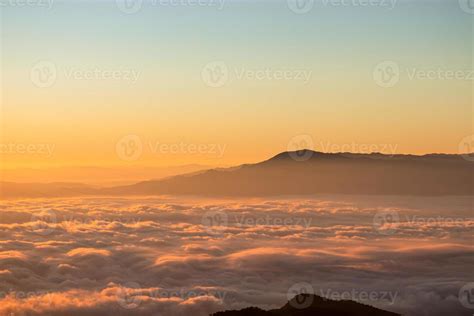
[301,172]
[309,172]
[312,305]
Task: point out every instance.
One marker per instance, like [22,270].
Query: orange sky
[145,96]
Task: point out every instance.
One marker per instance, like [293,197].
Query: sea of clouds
[170,256]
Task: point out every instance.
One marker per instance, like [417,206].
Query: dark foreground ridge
[313,305]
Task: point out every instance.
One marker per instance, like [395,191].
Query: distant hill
[309,172]
[41,190]
[318,306]
[97,176]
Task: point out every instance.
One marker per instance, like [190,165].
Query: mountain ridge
[302,172]
[309,172]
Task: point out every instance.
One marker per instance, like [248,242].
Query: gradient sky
[249,119]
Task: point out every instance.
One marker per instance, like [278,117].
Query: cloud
[12,254]
[165,256]
[81,252]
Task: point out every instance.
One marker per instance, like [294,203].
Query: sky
[105,91]
[176,82]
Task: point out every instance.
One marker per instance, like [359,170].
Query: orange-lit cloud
[121,256]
